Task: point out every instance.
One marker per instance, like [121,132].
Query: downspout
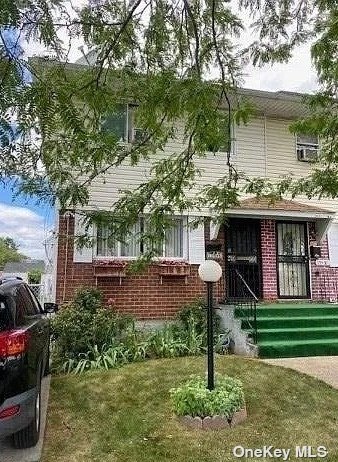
[265,149]
[67,215]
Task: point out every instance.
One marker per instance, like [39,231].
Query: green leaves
[194,399]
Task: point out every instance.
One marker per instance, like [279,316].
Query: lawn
[125,415]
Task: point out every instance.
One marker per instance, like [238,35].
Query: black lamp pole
[210,338]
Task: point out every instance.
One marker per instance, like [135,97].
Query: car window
[24,306]
[3,313]
[38,309]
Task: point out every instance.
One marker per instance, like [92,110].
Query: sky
[30,224]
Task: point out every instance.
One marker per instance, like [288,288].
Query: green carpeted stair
[289,330]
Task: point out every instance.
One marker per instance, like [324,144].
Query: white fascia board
[283,214]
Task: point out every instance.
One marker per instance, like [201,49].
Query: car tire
[29,436]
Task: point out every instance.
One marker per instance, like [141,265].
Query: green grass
[125,415]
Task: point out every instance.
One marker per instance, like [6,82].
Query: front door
[292,260]
[243,258]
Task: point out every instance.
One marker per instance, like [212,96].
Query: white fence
[38,291]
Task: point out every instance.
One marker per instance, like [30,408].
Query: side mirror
[50,308]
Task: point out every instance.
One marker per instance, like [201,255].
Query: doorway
[292,260]
[242,244]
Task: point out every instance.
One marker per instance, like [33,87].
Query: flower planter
[173,269]
[216,422]
[106,269]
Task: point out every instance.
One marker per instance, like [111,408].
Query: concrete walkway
[324,368]
[9,454]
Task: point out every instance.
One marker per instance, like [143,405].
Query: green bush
[194,399]
[166,343]
[84,323]
[193,319]
[89,336]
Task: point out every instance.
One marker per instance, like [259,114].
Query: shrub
[84,323]
[89,336]
[193,319]
[166,343]
[194,399]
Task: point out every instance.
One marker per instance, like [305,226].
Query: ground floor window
[133,245]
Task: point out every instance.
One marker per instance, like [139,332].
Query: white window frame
[304,145]
[159,258]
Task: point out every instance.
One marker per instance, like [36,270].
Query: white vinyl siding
[332,238]
[196,244]
[264,147]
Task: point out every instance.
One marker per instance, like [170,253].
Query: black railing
[244,300]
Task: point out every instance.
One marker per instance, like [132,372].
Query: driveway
[324,368]
[9,454]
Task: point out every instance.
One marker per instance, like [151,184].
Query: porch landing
[287,330]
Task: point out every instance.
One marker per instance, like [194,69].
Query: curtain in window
[131,246]
[174,239]
[104,247]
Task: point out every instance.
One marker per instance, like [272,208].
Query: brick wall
[268,249]
[324,279]
[142,295]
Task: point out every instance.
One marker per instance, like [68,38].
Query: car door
[44,324]
[29,318]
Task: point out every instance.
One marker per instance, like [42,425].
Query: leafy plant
[194,399]
[89,336]
[84,323]
[166,343]
[193,318]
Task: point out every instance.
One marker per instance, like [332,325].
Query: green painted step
[306,333]
[280,311]
[290,349]
[291,330]
[290,322]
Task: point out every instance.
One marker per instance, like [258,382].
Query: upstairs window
[122,123]
[134,247]
[307,148]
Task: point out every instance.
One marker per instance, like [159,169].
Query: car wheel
[29,436]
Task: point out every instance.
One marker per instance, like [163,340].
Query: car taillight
[10,411]
[13,342]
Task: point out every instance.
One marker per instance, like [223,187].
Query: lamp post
[210,271]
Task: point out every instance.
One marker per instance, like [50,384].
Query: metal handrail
[247,304]
[246,285]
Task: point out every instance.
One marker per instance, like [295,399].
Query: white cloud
[25,227]
[297,75]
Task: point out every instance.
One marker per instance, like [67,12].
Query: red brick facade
[324,279]
[146,295]
[150,296]
[268,255]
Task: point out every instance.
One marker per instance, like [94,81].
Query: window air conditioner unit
[138,135]
[307,153]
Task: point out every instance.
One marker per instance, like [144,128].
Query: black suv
[24,359]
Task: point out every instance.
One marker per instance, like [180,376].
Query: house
[284,250]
